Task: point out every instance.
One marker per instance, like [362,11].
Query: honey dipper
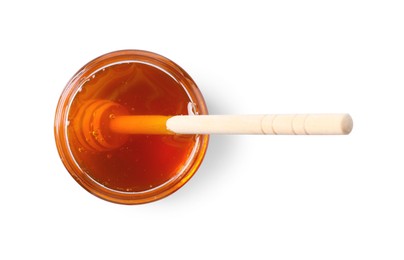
[96,135]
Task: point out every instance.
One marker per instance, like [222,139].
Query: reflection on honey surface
[143,161]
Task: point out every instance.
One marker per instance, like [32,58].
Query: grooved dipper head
[91,125]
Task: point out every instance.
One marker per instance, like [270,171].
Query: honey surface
[144,161]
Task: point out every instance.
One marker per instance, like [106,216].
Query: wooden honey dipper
[105,125]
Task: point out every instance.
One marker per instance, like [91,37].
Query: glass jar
[141,168]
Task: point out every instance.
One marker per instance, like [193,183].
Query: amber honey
[145,167]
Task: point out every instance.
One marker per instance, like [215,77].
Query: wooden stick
[301,124]
[148,124]
[102,125]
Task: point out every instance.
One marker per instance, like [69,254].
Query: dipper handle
[300,124]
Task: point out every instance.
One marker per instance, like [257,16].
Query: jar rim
[61,123]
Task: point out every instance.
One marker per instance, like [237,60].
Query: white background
[254,197]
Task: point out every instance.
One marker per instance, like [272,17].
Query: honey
[143,167]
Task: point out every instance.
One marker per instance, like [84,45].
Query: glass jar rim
[61,123]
